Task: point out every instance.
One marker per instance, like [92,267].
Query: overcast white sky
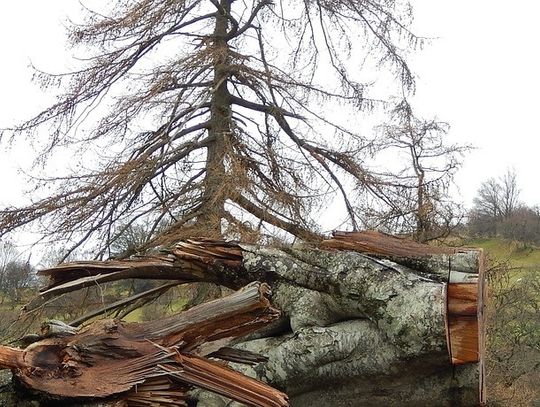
[481,75]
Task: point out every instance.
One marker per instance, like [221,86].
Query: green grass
[517,253]
[523,259]
[134,316]
[513,330]
[138,315]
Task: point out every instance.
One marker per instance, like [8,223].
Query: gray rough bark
[363,331]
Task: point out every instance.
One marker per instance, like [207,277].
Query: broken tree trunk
[153,362]
[368,319]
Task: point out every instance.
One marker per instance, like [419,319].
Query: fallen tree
[368,319]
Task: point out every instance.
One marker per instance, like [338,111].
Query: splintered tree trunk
[368,319]
[152,363]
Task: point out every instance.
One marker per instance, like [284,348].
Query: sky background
[480,74]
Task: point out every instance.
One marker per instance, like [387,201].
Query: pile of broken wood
[152,363]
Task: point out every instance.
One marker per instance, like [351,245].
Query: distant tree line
[499,212]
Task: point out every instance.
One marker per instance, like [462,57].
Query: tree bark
[214,196]
[368,319]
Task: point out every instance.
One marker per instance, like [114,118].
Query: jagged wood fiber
[110,357]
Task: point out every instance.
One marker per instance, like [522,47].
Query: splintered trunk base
[111,358]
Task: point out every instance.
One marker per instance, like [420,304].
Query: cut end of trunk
[463,272]
[466,321]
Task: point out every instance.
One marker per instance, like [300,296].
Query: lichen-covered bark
[362,331]
[318,288]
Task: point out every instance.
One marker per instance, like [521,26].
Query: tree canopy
[498,211]
[214,116]
[420,203]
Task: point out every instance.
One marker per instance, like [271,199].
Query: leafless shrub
[513,335]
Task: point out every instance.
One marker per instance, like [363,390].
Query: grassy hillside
[522,257]
[513,332]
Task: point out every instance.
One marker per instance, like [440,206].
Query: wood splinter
[137,361]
